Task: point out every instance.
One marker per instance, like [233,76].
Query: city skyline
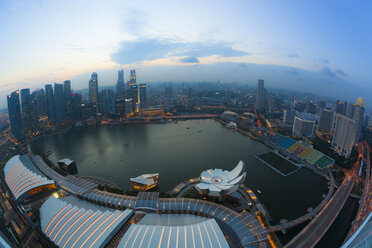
[306,44]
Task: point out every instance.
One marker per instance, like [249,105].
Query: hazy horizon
[319,47]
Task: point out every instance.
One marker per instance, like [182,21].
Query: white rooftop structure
[69,224]
[21,176]
[218,182]
[146,179]
[206,234]
[66,161]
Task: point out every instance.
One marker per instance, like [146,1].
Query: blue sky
[318,46]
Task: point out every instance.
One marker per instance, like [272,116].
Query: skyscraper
[107,102]
[260,97]
[40,102]
[142,95]
[326,120]
[93,89]
[77,113]
[303,128]
[120,85]
[289,116]
[49,100]
[59,102]
[134,96]
[132,78]
[29,113]
[15,116]
[345,134]
[67,99]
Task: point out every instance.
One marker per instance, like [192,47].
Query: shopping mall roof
[204,234]
[73,223]
[21,175]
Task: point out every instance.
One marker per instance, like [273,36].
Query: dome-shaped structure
[218,182]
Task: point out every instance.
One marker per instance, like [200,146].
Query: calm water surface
[181,151]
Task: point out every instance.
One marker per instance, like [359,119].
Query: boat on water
[259,191]
[67,165]
[231,125]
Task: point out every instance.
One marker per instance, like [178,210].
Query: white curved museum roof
[206,234]
[218,180]
[71,222]
[21,175]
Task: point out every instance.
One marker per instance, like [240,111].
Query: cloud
[151,49]
[189,59]
[327,71]
[341,73]
[325,61]
[291,71]
[293,55]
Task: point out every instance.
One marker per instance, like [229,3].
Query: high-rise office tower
[289,116]
[93,89]
[345,134]
[120,85]
[77,113]
[15,116]
[40,102]
[133,93]
[49,100]
[142,95]
[68,99]
[120,107]
[341,107]
[59,102]
[303,128]
[29,111]
[350,110]
[260,96]
[132,78]
[326,120]
[107,102]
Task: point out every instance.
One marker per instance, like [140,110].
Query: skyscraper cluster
[30,112]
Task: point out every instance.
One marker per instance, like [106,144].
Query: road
[315,230]
[364,208]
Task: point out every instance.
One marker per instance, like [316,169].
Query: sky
[318,46]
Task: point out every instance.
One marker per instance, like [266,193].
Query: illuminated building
[145,181]
[133,93]
[129,105]
[203,234]
[71,222]
[142,95]
[15,116]
[218,182]
[132,78]
[24,179]
[120,107]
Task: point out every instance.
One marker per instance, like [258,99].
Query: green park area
[278,163]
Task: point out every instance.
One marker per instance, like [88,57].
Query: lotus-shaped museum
[218,182]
